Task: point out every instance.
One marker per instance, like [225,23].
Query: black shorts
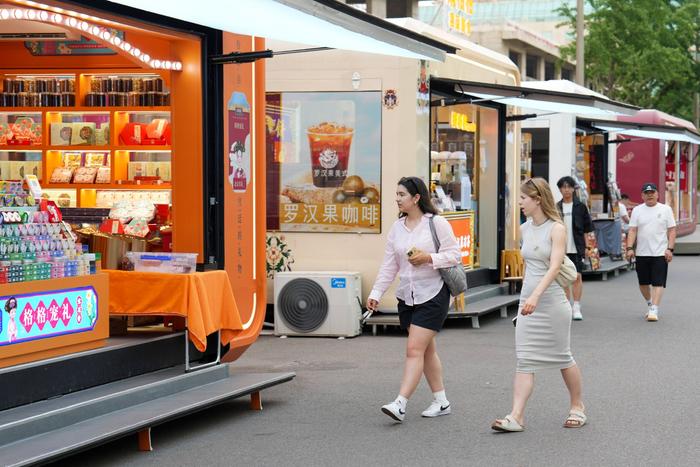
[652,270]
[577,260]
[430,315]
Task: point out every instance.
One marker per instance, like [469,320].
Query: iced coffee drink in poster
[329,144]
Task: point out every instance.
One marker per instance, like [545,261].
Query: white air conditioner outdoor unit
[318,303]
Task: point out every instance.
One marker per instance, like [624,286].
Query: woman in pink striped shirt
[423,297]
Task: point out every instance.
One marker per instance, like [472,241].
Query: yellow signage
[461,122]
[457,16]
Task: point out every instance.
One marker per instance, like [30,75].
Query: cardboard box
[84,134]
[137,169]
[4,170]
[61,134]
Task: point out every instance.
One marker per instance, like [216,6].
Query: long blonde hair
[538,188]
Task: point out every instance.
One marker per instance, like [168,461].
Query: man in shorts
[653,227]
[578,223]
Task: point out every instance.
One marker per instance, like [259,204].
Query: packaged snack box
[61,134]
[83,134]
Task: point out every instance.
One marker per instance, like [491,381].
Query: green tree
[642,52]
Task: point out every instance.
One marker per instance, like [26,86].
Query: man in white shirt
[653,227]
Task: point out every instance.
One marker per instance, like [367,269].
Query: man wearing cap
[653,227]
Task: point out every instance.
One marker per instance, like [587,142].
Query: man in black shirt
[578,223]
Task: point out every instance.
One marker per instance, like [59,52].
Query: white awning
[323,23]
[538,99]
[662,132]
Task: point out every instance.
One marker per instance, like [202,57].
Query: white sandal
[507,425]
[576,419]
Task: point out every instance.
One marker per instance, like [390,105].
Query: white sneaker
[653,314]
[576,313]
[437,408]
[394,410]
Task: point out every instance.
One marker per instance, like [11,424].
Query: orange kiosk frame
[235,218]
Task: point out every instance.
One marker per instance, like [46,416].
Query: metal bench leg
[188,367]
[475,322]
[255,401]
[617,272]
[145,440]
[605,276]
[374,329]
[504,312]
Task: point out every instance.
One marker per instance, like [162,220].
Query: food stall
[386,110]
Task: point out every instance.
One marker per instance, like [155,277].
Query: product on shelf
[38,92]
[179,263]
[157,132]
[127,91]
[103,175]
[85,175]
[23,130]
[62,175]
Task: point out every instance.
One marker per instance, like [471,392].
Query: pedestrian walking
[543,324]
[423,297]
[653,227]
[578,223]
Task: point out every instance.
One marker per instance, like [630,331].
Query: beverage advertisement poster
[325,167]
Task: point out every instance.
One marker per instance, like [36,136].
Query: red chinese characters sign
[463,228]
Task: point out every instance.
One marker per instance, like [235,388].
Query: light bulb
[95,31]
[4,14]
[72,22]
[168,65]
[177,66]
[156,63]
[18,14]
[31,14]
[126,46]
[146,58]
[57,18]
[84,26]
[106,35]
[116,40]
[44,16]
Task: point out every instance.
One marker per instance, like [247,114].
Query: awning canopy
[643,130]
[536,99]
[323,23]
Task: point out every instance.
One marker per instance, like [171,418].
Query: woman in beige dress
[543,325]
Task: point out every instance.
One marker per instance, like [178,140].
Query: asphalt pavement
[640,389]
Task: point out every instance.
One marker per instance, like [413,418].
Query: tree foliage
[643,52]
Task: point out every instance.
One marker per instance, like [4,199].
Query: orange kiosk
[117,115]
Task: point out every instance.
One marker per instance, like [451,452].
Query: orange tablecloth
[204,298]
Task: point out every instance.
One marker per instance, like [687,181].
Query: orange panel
[187,154]
[245,208]
[15,354]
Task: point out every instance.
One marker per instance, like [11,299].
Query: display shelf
[19,208]
[78,109]
[143,148]
[22,147]
[109,186]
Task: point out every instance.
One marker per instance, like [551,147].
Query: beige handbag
[567,273]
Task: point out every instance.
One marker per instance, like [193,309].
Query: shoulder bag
[454,276]
[567,273]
